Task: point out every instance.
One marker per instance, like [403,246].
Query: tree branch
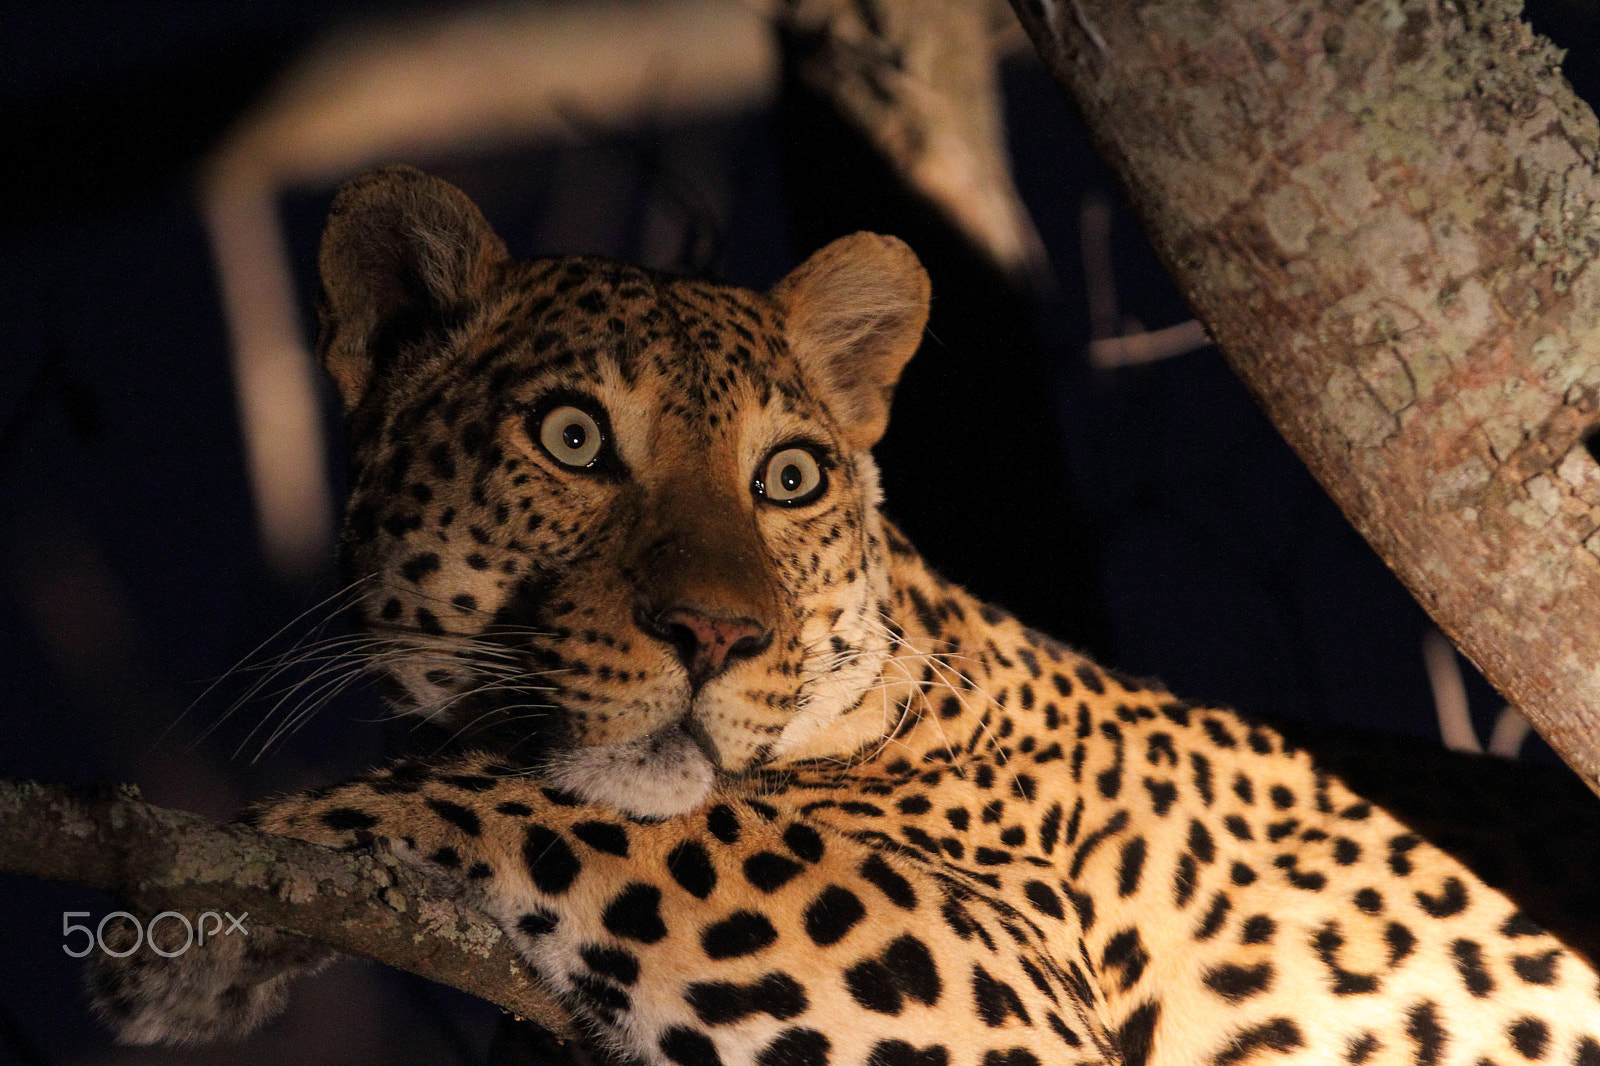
[918,78]
[1386,215]
[365,903]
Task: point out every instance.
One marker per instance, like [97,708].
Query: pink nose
[706,643]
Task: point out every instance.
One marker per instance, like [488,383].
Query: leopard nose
[707,643]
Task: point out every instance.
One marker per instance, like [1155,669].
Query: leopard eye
[571,436]
[791,478]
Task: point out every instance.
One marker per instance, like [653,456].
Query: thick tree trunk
[1385,213]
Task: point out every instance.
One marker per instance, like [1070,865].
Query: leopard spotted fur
[753,784]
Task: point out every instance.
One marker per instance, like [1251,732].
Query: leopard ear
[854,315]
[403,255]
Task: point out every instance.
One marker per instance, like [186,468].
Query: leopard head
[623,522]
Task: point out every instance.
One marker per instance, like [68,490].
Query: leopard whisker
[363,653]
[903,660]
[364,657]
[301,714]
[907,710]
[438,708]
[500,721]
[329,604]
[331,664]
[273,667]
[938,664]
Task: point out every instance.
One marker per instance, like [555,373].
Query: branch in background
[1389,228]
[363,903]
[919,79]
[1114,340]
[1150,346]
[1453,712]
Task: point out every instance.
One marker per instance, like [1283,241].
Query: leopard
[746,782]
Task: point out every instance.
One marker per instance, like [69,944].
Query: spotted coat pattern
[897,828]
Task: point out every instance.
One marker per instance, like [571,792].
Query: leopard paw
[222,989]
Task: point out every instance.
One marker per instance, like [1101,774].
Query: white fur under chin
[661,775]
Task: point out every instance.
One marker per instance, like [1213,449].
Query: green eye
[792,477]
[571,436]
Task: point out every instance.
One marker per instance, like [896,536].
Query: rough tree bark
[1385,213]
